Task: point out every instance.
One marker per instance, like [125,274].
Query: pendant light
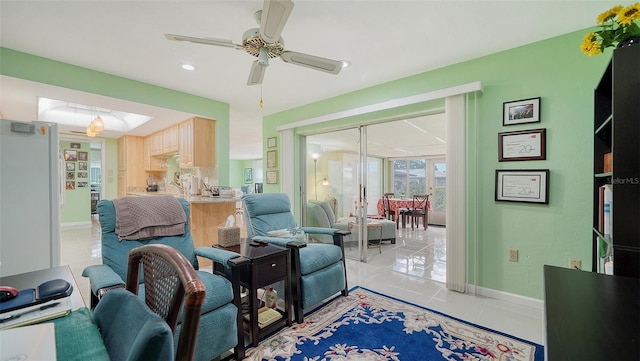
[98,124]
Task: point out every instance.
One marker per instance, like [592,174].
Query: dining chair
[171,288]
[419,209]
[386,205]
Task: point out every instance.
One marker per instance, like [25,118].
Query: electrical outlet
[575,263]
[513,255]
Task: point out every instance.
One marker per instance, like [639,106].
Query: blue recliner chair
[317,269]
[220,326]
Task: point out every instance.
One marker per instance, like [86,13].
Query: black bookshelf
[617,130]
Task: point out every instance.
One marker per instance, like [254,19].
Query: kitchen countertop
[190,199]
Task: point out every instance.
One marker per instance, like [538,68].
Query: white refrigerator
[30,196]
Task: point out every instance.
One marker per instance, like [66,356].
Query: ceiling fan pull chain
[261,102]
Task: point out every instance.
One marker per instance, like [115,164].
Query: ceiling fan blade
[313,62]
[274,16]
[256,74]
[217,42]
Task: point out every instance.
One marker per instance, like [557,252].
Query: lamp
[96,126]
[315,157]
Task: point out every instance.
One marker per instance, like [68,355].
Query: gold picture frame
[272,159]
[272,177]
[272,142]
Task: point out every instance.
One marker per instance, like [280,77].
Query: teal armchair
[317,269]
[219,322]
[130,330]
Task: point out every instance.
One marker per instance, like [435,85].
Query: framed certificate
[522,185]
[522,145]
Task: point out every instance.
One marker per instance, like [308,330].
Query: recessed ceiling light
[188,67]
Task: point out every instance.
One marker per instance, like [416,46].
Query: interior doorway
[335,159]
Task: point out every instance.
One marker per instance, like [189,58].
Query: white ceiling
[384,40]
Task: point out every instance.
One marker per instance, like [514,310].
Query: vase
[632,41]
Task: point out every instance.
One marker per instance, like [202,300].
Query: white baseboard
[506,296]
[75,225]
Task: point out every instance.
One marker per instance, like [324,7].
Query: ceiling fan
[266,43]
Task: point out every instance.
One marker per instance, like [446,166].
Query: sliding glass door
[340,173]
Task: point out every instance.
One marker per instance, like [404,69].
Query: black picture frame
[521,111]
[522,185]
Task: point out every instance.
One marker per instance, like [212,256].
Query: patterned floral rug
[370,326]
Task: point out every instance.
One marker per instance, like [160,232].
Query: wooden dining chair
[386,205]
[170,282]
[419,209]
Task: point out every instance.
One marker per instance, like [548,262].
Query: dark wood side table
[591,316]
[258,267]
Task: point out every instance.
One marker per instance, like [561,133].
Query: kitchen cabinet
[155,143]
[196,145]
[131,175]
[152,162]
[170,138]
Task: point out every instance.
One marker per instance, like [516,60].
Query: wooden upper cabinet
[131,175]
[170,138]
[155,143]
[196,145]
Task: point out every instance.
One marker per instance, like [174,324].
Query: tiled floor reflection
[413,269]
[417,252]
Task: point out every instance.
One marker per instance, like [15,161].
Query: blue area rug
[367,325]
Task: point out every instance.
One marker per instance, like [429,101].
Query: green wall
[47,71]
[564,78]
[77,194]
[236,173]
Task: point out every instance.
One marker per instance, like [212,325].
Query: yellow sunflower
[590,45]
[629,14]
[609,14]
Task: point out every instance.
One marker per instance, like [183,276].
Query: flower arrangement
[616,25]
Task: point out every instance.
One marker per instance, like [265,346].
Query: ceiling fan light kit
[266,43]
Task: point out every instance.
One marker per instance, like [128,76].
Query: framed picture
[82,165]
[83,184]
[247,175]
[272,177]
[272,142]
[521,111]
[522,145]
[71,175]
[70,185]
[70,155]
[70,165]
[75,145]
[83,156]
[272,159]
[522,185]
[82,175]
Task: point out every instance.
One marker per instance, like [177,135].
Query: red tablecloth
[395,203]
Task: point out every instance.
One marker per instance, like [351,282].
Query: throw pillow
[296,234]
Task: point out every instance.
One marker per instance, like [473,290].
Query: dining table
[397,203]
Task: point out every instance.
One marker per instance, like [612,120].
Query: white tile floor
[413,270]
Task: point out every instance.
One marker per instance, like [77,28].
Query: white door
[437,190]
